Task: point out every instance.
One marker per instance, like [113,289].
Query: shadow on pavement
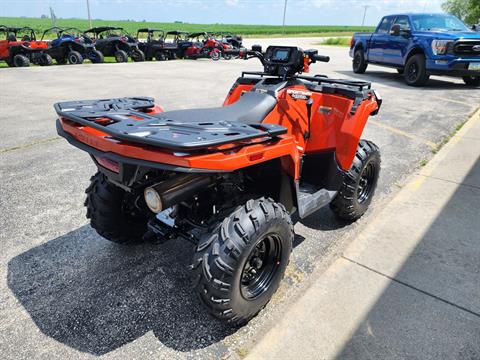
[432,310]
[95,296]
[396,80]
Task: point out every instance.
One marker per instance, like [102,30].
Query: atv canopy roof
[194,35]
[149,30]
[100,29]
[176,32]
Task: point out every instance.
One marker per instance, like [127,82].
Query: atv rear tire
[75,58]
[20,60]
[45,60]
[359,64]
[415,72]
[106,210]
[472,80]
[239,265]
[121,56]
[359,183]
[96,57]
[137,55]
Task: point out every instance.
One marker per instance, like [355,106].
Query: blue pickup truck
[420,45]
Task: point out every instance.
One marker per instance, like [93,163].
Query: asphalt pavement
[67,293]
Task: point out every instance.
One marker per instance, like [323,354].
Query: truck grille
[467,47]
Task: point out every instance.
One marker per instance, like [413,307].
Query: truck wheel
[416,71]
[138,55]
[472,80]
[359,64]
[96,57]
[75,58]
[160,56]
[121,56]
[20,60]
[359,183]
[45,60]
[238,266]
[107,210]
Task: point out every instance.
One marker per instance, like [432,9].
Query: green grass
[337,41]
[247,30]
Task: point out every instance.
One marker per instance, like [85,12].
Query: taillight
[352,43]
[123,38]
[108,164]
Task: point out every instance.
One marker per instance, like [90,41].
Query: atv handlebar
[321,58]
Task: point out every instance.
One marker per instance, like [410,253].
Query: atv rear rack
[125,119]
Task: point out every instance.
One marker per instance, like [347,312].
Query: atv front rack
[126,119]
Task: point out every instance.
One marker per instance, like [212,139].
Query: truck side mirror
[395,30]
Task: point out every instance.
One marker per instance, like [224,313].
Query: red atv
[203,45]
[20,47]
[230,179]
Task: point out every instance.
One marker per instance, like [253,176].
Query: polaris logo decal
[299,95]
[476,48]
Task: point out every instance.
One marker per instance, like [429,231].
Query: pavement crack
[413,287]
[25,146]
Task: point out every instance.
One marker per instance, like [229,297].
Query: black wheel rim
[261,267]
[366,183]
[412,73]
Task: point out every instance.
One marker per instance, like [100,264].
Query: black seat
[251,108]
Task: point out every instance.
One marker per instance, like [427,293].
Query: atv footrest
[125,119]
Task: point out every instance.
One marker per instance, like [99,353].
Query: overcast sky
[299,12]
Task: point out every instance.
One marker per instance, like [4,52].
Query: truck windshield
[438,22]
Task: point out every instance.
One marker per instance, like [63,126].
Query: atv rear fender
[337,121]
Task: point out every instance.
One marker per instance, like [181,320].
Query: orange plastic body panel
[333,128]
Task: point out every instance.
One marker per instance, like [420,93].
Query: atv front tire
[239,265]
[106,209]
[75,58]
[359,183]
[20,60]
[160,56]
[45,60]
[96,57]
[121,56]
[137,55]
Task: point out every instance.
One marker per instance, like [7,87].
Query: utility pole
[53,17]
[89,17]
[284,13]
[365,13]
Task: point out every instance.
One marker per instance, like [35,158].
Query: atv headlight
[440,47]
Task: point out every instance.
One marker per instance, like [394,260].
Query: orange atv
[20,47]
[230,179]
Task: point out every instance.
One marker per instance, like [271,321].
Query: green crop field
[247,30]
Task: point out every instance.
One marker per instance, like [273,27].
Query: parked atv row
[73,46]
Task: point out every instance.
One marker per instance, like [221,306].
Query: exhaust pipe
[173,191]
